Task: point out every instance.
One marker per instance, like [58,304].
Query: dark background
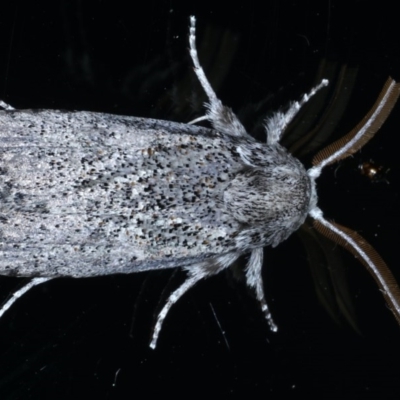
[79,339]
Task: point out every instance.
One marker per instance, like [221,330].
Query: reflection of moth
[86,194]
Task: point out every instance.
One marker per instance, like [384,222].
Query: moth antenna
[277,123]
[362,132]
[341,235]
[255,281]
[15,296]
[362,250]
[222,118]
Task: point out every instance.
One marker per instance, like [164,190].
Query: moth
[84,194]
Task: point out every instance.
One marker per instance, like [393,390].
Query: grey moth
[85,194]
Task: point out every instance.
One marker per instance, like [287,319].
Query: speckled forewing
[85,194]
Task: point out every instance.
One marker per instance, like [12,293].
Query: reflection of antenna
[343,236]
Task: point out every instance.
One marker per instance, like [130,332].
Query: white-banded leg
[196,272]
[255,281]
[15,296]
[6,106]
[277,123]
[222,118]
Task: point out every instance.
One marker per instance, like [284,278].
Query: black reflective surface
[73,339]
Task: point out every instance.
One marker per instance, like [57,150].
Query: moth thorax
[276,198]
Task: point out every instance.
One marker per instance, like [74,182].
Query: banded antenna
[341,235]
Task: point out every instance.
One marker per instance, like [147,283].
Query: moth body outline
[87,194]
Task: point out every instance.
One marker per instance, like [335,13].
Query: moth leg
[255,281]
[277,124]
[173,298]
[15,296]
[199,119]
[6,106]
[222,118]
[196,273]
